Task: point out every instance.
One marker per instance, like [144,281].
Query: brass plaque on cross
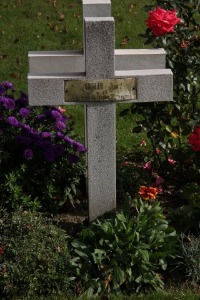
[95,90]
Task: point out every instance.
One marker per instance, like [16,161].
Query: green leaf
[121,217]
[124,112]
[118,276]
[137,129]
[81,254]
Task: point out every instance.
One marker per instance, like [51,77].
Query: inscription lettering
[93,86]
[119,89]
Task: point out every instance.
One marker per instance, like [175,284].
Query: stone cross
[99,77]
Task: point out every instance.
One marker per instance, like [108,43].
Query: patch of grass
[170,295]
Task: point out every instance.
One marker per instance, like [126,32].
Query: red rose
[1,250]
[162,21]
[194,139]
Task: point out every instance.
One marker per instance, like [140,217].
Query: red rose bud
[162,21]
[194,139]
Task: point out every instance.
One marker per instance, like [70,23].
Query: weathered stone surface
[139,59]
[45,91]
[56,62]
[99,47]
[101,158]
[96,8]
[152,85]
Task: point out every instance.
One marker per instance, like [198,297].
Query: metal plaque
[86,90]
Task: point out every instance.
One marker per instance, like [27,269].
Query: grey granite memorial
[99,77]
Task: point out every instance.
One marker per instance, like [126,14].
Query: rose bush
[162,21]
[174,26]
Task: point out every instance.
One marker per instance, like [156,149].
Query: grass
[170,295]
[57,25]
[42,25]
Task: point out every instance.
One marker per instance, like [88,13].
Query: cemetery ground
[31,241]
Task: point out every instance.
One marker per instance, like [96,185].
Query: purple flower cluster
[38,133]
[7,103]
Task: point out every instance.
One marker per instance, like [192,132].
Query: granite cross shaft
[50,72]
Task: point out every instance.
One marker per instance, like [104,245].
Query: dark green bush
[34,256]
[125,252]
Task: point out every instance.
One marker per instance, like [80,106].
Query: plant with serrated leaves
[125,252]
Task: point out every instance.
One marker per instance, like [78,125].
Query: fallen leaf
[124,41]
[71,5]
[53,27]
[61,17]
[13,75]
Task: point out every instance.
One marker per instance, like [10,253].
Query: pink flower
[125,163]
[159,180]
[162,21]
[157,151]
[61,110]
[147,166]
[143,143]
[171,161]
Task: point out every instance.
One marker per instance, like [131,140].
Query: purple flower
[78,147]
[56,115]
[46,134]
[59,150]
[44,144]
[13,121]
[49,155]
[24,112]
[68,140]
[25,127]
[73,158]
[7,103]
[7,85]
[23,140]
[28,154]
[2,90]
[60,125]
[23,100]
[41,117]
[59,135]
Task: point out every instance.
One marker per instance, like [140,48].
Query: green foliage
[186,217]
[168,125]
[189,259]
[127,251]
[34,256]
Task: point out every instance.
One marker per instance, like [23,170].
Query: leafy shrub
[169,126]
[186,217]
[34,256]
[127,251]
[189,258]
[39,157]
